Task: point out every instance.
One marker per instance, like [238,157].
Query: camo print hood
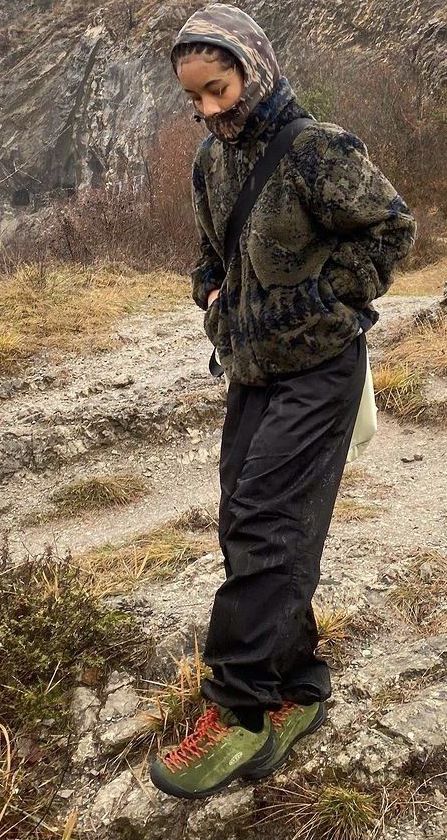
[233,29]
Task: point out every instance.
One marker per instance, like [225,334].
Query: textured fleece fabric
[318,248]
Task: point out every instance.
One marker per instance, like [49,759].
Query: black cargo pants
[284,447]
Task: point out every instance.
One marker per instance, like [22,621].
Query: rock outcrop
[83,87]
[371,738]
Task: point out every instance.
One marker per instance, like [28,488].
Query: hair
[215,53]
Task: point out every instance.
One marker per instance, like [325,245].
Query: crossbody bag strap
[251,189]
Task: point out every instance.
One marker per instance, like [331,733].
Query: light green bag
[366,423]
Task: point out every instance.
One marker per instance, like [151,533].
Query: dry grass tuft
[157,555]
[326,812]
[398,389]
[98,492]
[427,281]
[197,519]
[70,825]
[8,777]
[176,705]
[418,353]
[365,623]
[424,348]
[333,627]
[405,690]
[353,477]
[420,592]
[350,510]
[338,628]
[406,800]
[71,307]
[11,349]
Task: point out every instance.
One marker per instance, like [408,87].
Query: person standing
[289,325]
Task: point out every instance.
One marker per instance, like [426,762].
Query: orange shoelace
[208,729]
[278,718]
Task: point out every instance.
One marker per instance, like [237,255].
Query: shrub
[403,124]
[145,221]
[51,630]
[50,626]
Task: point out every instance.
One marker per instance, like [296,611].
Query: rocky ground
[150,407]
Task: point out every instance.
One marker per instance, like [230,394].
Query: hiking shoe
[219,750]
[290,723]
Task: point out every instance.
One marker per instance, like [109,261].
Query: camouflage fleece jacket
[319,246]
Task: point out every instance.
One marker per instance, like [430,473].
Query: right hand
[214,293]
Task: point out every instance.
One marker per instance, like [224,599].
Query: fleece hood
[229,27]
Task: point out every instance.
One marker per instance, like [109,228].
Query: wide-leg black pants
[284,447]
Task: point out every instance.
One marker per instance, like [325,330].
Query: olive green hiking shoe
[218,751]
[290,723]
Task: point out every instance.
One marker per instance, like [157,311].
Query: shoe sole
[160,782]
[319,720]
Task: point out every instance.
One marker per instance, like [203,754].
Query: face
[211,88]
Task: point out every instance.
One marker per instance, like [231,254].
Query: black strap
[252,187]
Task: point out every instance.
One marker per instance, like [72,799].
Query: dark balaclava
[231,28]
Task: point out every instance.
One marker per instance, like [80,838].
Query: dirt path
[150,408]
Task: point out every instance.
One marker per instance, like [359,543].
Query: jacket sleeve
[209,272]
[373,226]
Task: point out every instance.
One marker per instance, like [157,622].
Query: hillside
[84,85]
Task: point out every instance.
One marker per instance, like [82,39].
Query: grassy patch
[71,307]
[351,510]
[98,492]
[420,592]
[405,690]
[158,555]
[419,352]
[178,704]
[356,480]
[95,493]
[427,281]
[197,519]
[331,808]
[337,629]
[50,623]
[333,626]
[320,812]
[51,628]
[424,348]
[398,389]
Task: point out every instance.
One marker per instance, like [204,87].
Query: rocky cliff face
[83,87]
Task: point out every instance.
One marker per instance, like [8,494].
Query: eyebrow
[212,82]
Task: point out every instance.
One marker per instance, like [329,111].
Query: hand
[212,296]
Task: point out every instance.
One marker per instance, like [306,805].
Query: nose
[210,107]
